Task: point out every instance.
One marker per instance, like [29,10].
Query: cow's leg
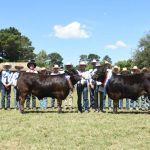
[59,103]
[21,103]
[115,104]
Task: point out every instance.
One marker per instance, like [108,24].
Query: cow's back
[126,86]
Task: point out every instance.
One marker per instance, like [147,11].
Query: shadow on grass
[131,112]
[49,111]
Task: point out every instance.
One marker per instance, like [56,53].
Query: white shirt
[7,76]
[32,71]
[15,78]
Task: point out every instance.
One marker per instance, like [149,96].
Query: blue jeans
[82,90]
[16,99]
[127,103]
[137,103]
[92,100]
[28,101]
[43,103]
[7,93]
[52,102]
[120,103]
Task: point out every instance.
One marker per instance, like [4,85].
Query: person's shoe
[86,111]
[137,108]
[131,109]
[143,109]
[96,110]
[109,109]
[79,111]
[27,108]
[34,108]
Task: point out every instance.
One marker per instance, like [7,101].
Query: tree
[107,58]
[55,58]
[125,63]
[93,56]
[14,46]
[41,58]
[141,56]
[83,57]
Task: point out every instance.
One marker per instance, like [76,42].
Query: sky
[75,27]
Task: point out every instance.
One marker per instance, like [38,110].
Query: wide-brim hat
[116,68]
[31,62]
[98,64]
[135,68]
[82,63]
[145,69]
[93,61]
[19,67]
[56,67]
[7,65]
[106,62]
[43,69]
[124,69]
[68,64]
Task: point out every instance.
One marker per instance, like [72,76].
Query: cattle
[55,86]
[125,86]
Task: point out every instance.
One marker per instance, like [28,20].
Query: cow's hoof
[59,110]
[22,111]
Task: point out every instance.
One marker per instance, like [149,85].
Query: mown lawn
[87,131]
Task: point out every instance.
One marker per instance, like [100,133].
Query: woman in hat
[31,65]
[6,85]
[14,83]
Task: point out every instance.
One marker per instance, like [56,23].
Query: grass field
[87,131]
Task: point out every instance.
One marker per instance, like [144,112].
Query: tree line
[15,47]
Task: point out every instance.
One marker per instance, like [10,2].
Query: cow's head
[74,75]
[100,74]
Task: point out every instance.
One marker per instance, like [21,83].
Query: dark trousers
[33,101]
[82,90]
[5,92]
[92,99]
[99,95]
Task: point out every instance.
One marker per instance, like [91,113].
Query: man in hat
[14,83]
[69,100]
[144,99]
[99,92]
[92,83]
[135,70]
[6,85]
[108,76]
[31,65]
[82,88]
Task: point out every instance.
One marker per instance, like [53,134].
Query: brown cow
[55,86]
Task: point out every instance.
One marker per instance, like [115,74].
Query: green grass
[93,131]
